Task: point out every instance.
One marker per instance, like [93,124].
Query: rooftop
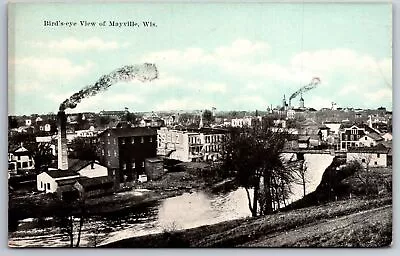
[130,131]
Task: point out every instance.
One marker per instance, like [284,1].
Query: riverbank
[171,184]
[261,231]
[345,210]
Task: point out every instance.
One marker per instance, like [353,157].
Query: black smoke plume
[314,82]
[144,72]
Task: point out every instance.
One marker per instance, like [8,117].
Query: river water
[181,212]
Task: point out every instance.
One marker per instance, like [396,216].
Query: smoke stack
[201,120]
[62,141]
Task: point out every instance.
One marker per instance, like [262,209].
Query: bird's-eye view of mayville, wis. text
[218,125]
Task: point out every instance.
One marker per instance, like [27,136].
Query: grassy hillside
[257,231]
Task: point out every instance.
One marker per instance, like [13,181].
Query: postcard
[145,125]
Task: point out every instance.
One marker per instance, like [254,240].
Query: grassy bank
[244,232]
[334,215]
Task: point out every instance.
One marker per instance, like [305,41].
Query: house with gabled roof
[370,140]
[376,156]
[20,159]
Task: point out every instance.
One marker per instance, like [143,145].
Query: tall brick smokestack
[62,141]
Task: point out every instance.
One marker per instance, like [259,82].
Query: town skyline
[228,61]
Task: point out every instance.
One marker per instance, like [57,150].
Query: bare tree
[299,174]
[67,224]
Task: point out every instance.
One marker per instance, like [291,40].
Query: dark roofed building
[125,149]
[94,187]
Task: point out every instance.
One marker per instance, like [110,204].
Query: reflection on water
[182,212]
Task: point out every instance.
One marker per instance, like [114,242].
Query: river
[188,210]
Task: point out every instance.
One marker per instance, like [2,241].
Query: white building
[189,146]
[369,156]
[20,159]
[53,179]
[369,140]
[48,181]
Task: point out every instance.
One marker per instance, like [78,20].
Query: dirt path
[369,228]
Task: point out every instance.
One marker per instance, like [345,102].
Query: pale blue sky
[228,56]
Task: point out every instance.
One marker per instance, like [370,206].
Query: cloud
[240,48]
[381,95]
[215,87]
[188,103]
[246,101]
[73,44]
[47,68]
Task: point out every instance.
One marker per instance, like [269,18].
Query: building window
[115,153]
[48,186]
[363,160]
[108,153]
[41,184]
[365,138]
[108,163]
[123,141]
[124,166]
[376,163]
[378,155]
[19,158]
[132,140]
[115,141]
[102,152]
[108,134]
[133,165]
[108,141]
[18,165]
[30,163]
[151,139]
[142,163]
[141,139]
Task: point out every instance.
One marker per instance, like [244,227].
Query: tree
[84,148]
[366,176]
[40,152]
[130,117]
[12,122]
[208,116]
[300,173]
[253,154]
[66,222]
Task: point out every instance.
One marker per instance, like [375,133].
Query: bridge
[314,151]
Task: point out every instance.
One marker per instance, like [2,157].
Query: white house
[47,127]
[370,140]
[92,170]
[48,181]
[53,179]
[369,156]
[28,122]
[20,159]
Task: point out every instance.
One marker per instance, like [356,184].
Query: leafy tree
[208,116]
[253,154]
[12,122]
[131,117]
[84,148]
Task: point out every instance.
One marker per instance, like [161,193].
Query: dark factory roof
[130,131]
[90,182]
[61,173]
